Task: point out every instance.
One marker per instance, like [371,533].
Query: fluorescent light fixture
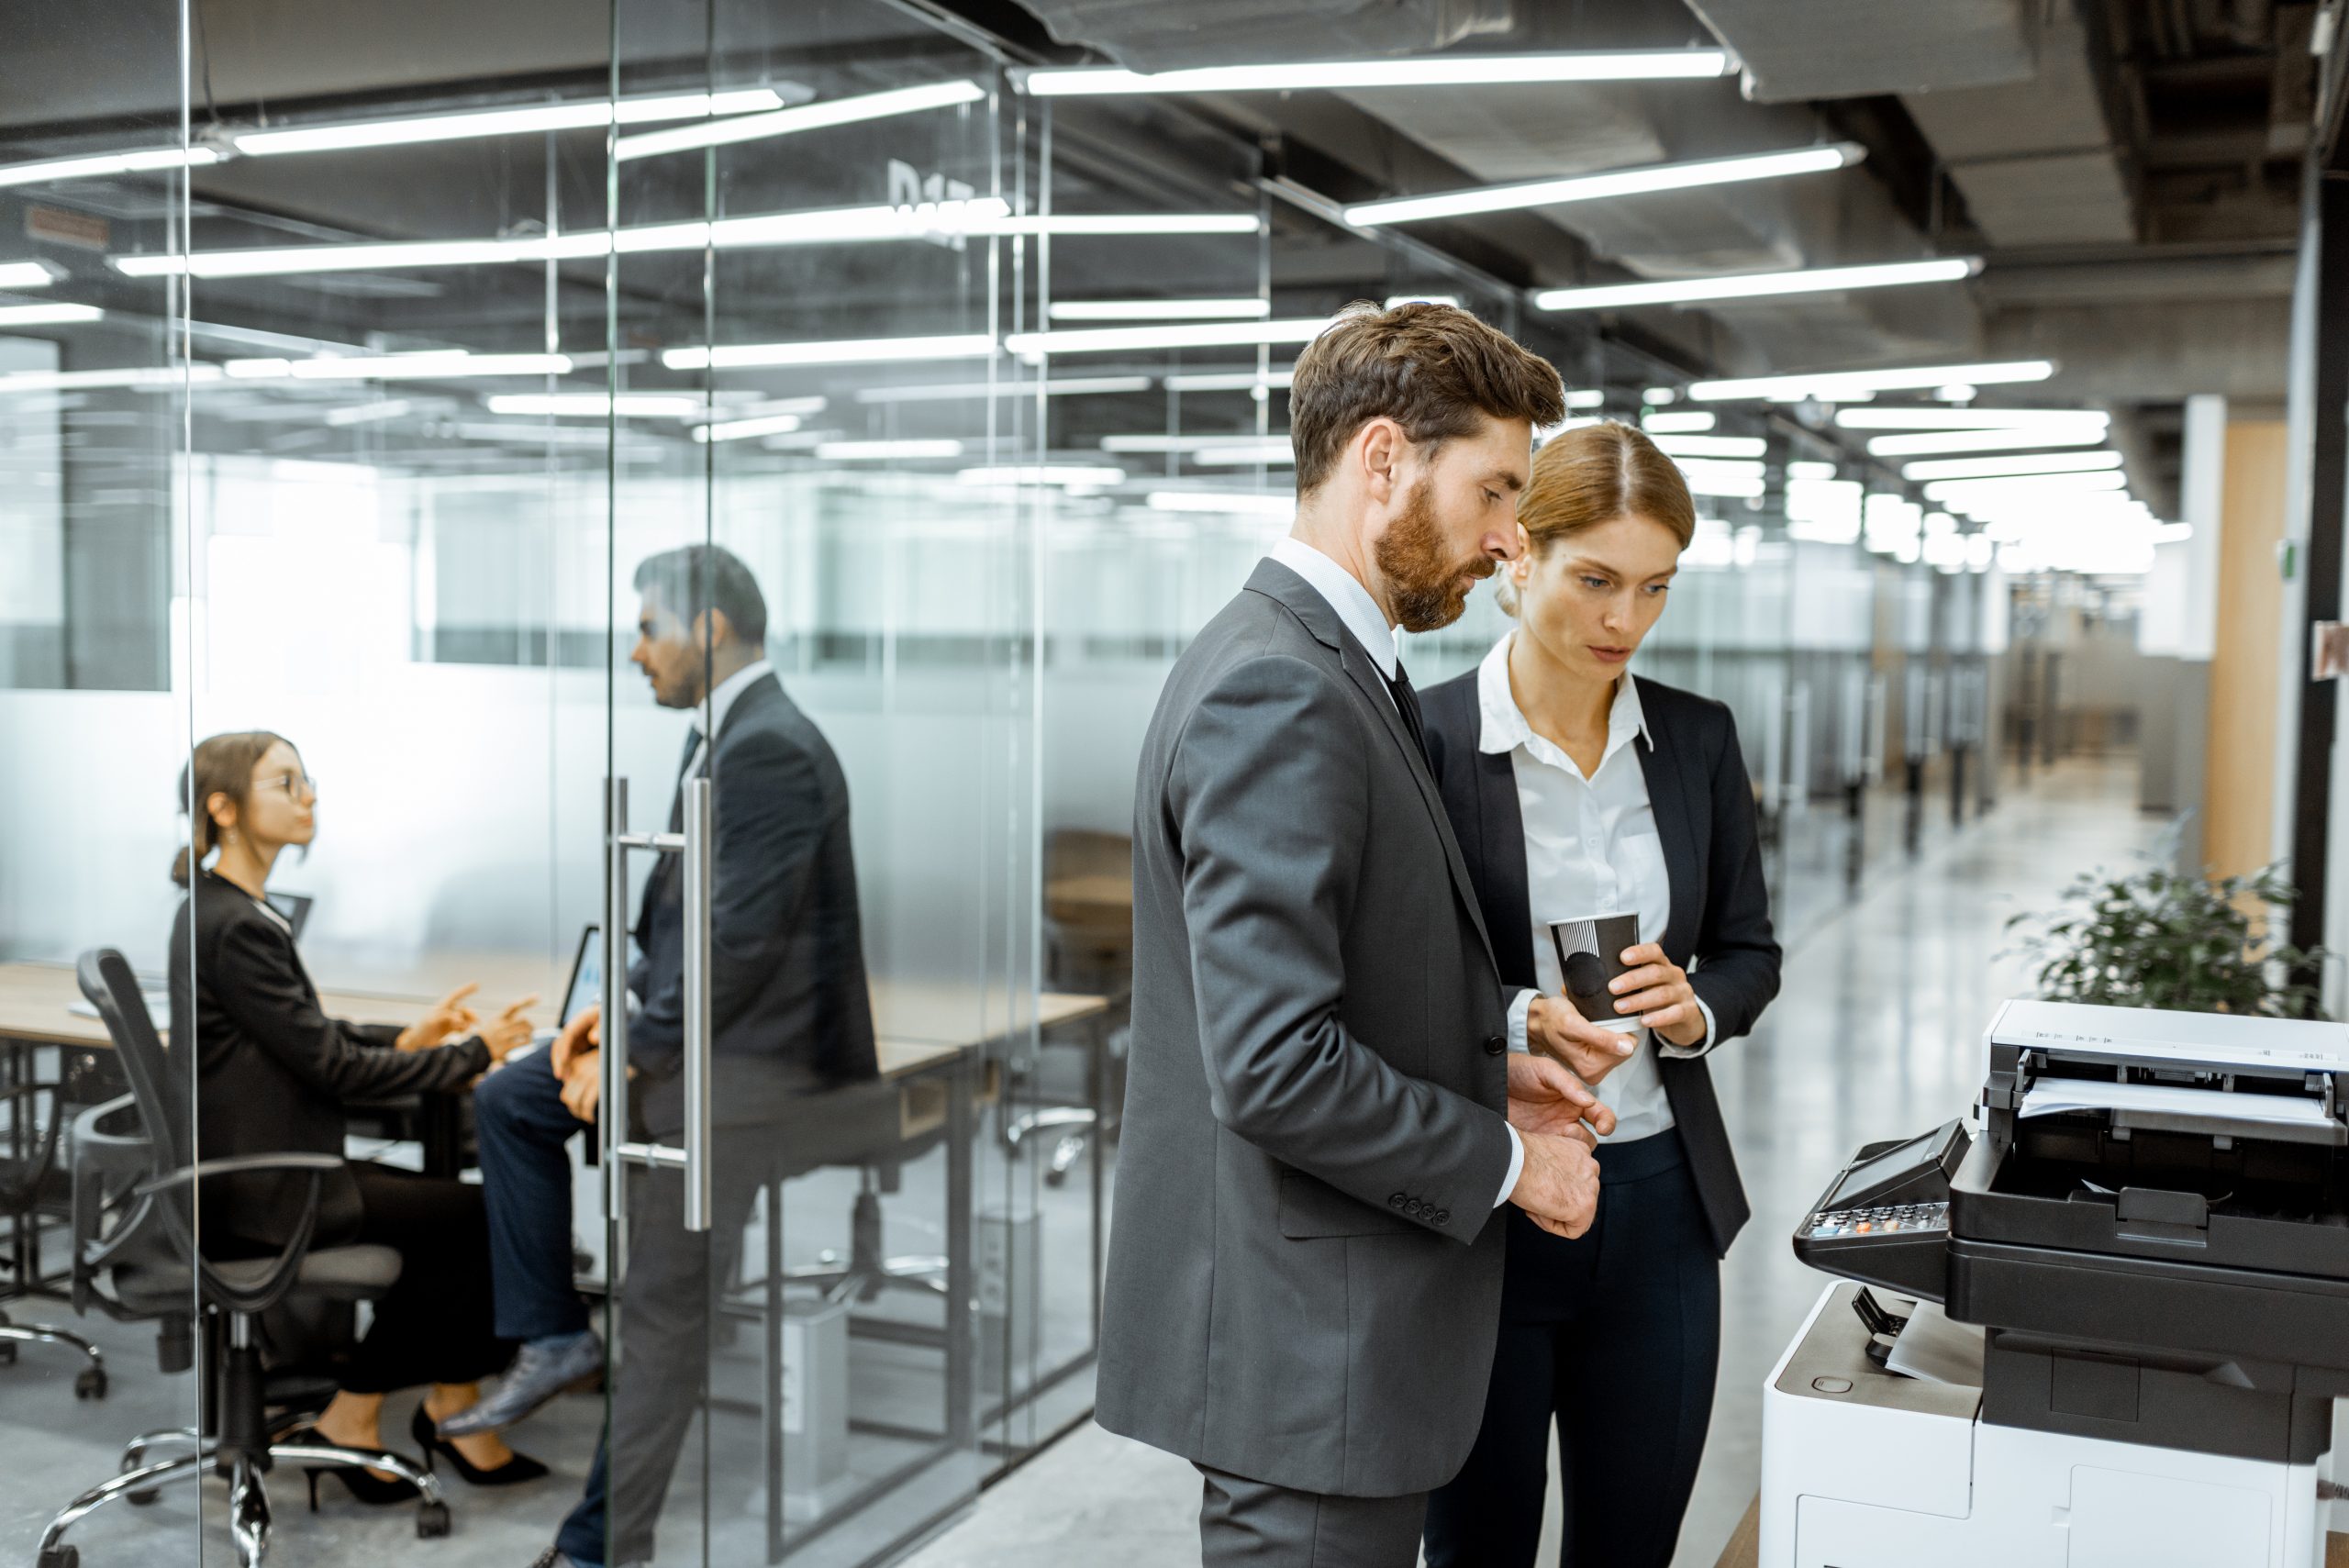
[1836,386]
[95,165]
[1711,446]
[832,352]
[1759,286]
[1230,381]
[45,314]
[743,429]
[1271,454]
[1659,396]
[1703,477]
[1694,422]
[522,120]
[1967,418]
[1424,71]
[1394,299]
[370,413]
[598,405]
[1158,310]
[1064,386]
[812,404]
[1612,182]
[1964,494]
[138,378]
[822,226]
[28,275]
[1586,397]
[1144,340]
[432,364]
[1081,224]
[858,451]
[805,116]
[1916,443]
[1254,503]
[1544,433]
[1807,469]
[2001,467]
[1188,444]
[1072,476]
[2171,533]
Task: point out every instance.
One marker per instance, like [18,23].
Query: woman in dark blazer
[1576,789]
[272,1075]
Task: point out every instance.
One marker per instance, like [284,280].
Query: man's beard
[1422,584]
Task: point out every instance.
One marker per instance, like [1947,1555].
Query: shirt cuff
[1516,1166]
[1712,1034]
[1520,1007]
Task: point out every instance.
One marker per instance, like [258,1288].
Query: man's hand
[1657,990]
[583,1084]
[1544,1097]
[583,1032]
[510,1030]
[1558,1187]
[1553,1029]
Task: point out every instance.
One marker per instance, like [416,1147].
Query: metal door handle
[614,1022]
[700,821]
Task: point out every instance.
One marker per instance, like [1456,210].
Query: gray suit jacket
[1304,1276]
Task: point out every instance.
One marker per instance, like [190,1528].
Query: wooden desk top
[921,1023]
[1094,898]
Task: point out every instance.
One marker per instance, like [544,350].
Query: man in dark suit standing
[791,1024]
[1321,1113]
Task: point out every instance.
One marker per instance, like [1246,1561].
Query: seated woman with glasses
[274,1074]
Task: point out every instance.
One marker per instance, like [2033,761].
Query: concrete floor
[1877,1033]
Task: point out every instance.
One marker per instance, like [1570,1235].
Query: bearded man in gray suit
[1321,1113]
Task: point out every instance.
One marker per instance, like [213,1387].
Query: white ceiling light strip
[1073,476]
[1230,381]
[28,275]
[2004,467]
[1189,445]
[1711,445]
[598,405]
[1965,418]
[806,118]
[1969,495]
[1063,386]
[410,130]
[1684,424]
[1835,386]
[45,314]
[1145,339]
[1080,225]
[832,352]
[1230,502]
[1759,286]
[135,378]
[143,160]
[823,226]
[872,451]
[745,429]
[431,365]
[1426,70]
[1271,453]
[1159,309]
[1613,183]
[1920,443]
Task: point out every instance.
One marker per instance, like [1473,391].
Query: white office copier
[2129,1299]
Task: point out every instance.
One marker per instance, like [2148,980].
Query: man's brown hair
[1434,369]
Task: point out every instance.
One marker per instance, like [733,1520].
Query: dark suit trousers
[520,1125]
[434,1324]
[1616,1335]
[666,1306]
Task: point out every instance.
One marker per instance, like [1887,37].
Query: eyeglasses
[294,785]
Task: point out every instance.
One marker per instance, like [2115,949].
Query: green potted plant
[2159,938]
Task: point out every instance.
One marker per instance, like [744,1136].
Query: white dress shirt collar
[1504,727]
[1346,595]
[722,700]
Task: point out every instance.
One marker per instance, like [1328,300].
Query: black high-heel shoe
[373,1490]
[513,1473]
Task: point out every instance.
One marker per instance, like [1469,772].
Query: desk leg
[771,1396]
[441,1126]
[962,1361]
[1097,1073]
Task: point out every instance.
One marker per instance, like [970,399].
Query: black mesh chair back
[161,1094]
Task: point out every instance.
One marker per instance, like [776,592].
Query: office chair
[871,1116]
[155,1269]
[24,1182]
[1089,946]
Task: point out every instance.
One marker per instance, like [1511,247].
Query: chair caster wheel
[431,1521]
[91,1384]
[139,1500]
[62,1557]
[7,1353]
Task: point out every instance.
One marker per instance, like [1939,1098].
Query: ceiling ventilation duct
[1848,48]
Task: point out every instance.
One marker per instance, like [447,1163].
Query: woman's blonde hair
[1592,475]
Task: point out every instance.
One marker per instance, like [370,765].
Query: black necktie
[684,765]
[1406,703]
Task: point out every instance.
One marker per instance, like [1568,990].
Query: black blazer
[272,1073]
[1720,928]
[790,1011]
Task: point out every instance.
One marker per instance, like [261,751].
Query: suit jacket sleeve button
[1444,1216]
[1396,1201]
[1495,1044]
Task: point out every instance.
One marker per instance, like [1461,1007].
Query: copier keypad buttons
[1897,1218]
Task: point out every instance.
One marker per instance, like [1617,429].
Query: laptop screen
[586,974]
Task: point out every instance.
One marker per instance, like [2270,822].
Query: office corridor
[1876,1034]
